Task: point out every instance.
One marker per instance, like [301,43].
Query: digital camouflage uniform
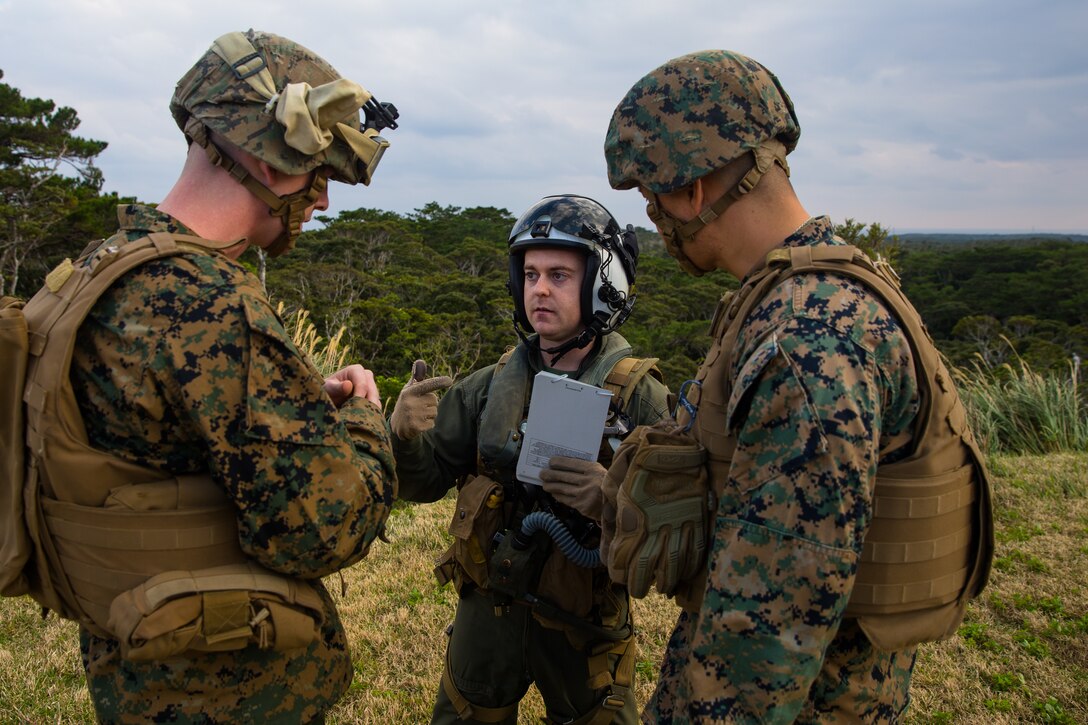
[823,379]
[495,656]
[821,389]
[183,366]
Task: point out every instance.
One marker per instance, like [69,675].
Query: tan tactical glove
[417,404]
[610,488]
[575,483]
[655,517]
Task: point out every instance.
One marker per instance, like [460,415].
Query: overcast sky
[956,115]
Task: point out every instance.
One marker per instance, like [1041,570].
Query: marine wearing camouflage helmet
[278,101]
[694,115]
[826,419]
[192,475]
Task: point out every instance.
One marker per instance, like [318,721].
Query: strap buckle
[242,72]
[612,702]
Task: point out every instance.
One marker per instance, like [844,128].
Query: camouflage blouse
[184,366]
[823,382]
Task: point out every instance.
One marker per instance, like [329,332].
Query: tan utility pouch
[476,520]
[566,585]
[213,610]
[15,544]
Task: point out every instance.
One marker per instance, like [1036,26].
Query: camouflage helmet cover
[226,102]
[693,115]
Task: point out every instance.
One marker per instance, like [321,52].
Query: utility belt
[521,546]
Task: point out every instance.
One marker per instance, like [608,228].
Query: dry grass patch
[41,676]
[1021,655]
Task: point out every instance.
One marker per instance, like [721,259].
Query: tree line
[431,284]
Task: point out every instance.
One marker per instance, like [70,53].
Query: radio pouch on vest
[517,562]
[477,517]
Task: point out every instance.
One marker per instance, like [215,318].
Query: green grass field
[1020,656]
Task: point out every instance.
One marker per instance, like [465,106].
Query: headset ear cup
[610,296]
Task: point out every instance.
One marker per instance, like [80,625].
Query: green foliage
[1017,559]
[1007,681]
[432,285]
[874,240]
[1034,295]
[46,174]
[378,275]
[977,635]
[1051,711]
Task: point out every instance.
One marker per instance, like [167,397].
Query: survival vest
[930,544]
[482,511]
[127,551]
[622,378]
[483,508]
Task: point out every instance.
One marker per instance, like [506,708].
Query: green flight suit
[499,647]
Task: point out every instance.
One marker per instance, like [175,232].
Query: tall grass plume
[327,357]
[1016,409]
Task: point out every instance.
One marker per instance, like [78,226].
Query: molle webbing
[106,551]
[78,563]
[929,546]
[931,539]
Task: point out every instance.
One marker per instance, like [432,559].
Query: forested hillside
[431,284]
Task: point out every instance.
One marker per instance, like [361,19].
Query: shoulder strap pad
[627,373]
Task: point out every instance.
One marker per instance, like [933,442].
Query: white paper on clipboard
[566,418]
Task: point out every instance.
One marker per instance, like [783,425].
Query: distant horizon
[992,232]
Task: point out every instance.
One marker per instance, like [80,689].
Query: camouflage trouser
[240,686]
[493,660]
[856,684]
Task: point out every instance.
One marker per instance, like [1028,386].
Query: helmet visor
[575,216]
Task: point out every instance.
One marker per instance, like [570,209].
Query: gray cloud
[957,114]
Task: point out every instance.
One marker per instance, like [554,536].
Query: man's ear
[687,202]
[267,173]
[696,195]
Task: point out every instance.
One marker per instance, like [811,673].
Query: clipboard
[566,418]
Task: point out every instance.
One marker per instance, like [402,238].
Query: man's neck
[571,360]
[758,232]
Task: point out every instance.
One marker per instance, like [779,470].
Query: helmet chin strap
[292,211]
[582,339]
[675,233]
[290,208]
